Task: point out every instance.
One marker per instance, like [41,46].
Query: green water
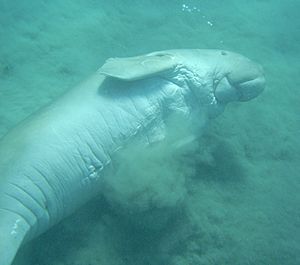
[237,199]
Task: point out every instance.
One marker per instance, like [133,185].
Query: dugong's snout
[251,88]
[243,81]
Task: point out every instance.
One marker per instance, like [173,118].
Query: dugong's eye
[223,53]
[162,54]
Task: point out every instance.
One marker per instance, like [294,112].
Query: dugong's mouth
[250,89]
[242,86]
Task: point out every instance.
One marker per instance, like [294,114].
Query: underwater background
[236,196]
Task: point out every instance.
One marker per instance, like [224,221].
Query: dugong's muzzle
[243,80]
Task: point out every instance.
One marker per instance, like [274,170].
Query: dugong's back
[44,164]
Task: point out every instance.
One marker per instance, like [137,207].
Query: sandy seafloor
[237,198]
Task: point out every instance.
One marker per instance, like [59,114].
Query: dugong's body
[55,161]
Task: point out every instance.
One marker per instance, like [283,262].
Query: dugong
[55,160]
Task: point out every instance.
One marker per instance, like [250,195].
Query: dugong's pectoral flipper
[138,67]
[13,231]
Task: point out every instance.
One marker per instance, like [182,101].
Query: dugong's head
[243,79]
[230,76]
[224,75]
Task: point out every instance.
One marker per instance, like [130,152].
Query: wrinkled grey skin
[56,160]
